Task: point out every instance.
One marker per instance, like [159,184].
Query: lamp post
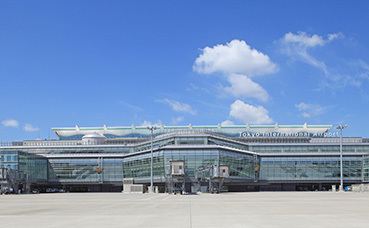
[152,128]
[340,127]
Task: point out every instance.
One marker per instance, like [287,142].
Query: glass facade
[366,168]
[249,162]
[139,166]
[77,170]
[306,148]
[310,168]
[85,170]
[102,169]
[193,159]
[112,170]
[34,166]
[226,143]
[240,165]
[9,159]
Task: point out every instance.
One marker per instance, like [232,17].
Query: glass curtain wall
[366,168]
[9,159]
[139,166]
[74,170]
[32,165]
[309,168]
[240,165]
[308,149]
[80,170]
[193,159]
[35,166]
[112,169]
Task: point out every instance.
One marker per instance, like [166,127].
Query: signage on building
[288,134]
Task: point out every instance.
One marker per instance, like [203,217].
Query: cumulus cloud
[249,114]
[177,120]
[178,106]
[243,86]
[234,57]
[10,123]
[227,122]
[29,128]
[237,62]
[310,110]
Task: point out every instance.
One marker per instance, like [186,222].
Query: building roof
[228,130]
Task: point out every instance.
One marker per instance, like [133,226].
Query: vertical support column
[151,165]
[341,162]
[152,128]
[340,127]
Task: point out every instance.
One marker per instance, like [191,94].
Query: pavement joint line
[169,196]
[150,198]
[190,213]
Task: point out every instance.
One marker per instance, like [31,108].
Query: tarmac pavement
[230,210]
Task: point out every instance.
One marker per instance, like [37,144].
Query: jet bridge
[12,181]
[175,177]
[214,175]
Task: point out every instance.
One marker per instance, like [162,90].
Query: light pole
[340,127]
[152,128]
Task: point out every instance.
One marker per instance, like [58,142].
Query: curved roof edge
[229,130]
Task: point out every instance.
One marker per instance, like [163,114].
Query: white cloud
[249,114]
[226,122]
[305,115]
[178,106]
[146,123]
[149,123]
[237,62]
[177,120]
[305,41]
[334,36]
[234,57]
[296,46]
[30,128]
[302,106]
[310,110]
[302,39]
[242,86]
[10,123]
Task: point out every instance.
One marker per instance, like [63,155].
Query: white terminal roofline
[161,129]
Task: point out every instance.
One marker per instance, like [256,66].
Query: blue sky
[120,63]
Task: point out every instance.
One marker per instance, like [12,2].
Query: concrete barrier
[360,187]
[130,187]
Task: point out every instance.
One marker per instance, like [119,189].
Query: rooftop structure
[227,130]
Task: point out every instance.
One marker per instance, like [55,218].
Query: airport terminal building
[256,158]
